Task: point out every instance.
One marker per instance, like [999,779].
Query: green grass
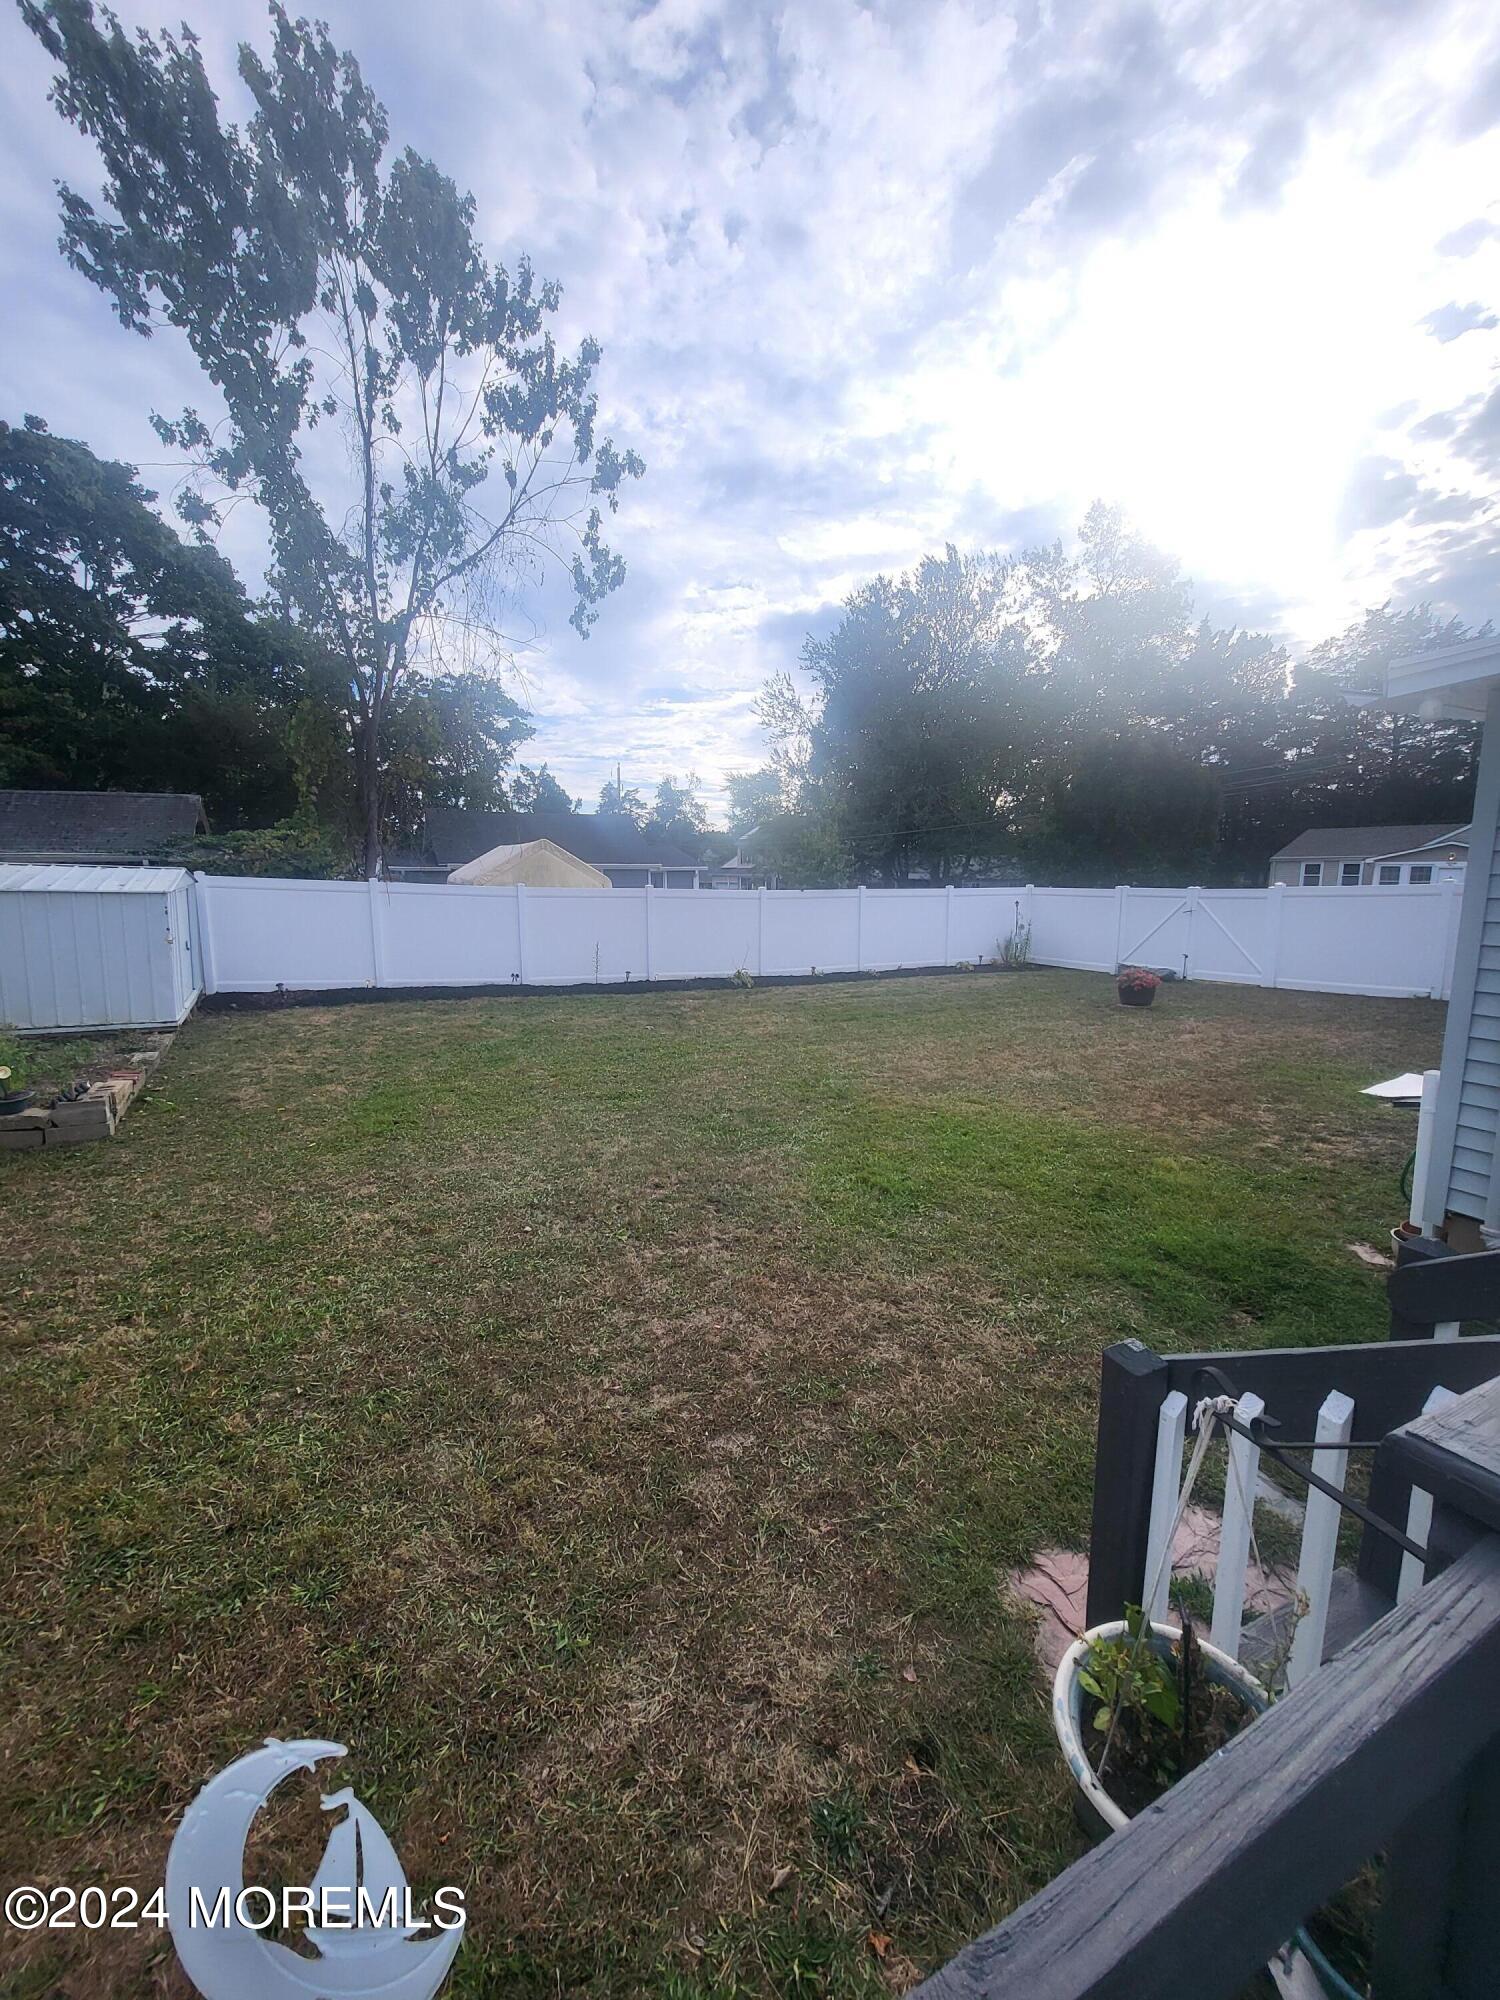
[613,1418]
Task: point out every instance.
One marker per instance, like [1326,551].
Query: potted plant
[1136,1707]
[1136,986]
[14,1096]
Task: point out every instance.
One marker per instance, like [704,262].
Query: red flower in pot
[1137,986]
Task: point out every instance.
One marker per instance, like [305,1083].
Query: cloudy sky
[872,277]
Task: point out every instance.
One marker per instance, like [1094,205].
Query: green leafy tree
[535,789]
[621,801]
[322,283]
[754,796]
[678,815]
[130,658]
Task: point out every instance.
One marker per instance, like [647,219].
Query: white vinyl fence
[258,934]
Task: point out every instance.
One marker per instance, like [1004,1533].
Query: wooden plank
[1198,1892]
[1446,1288]
[1235,1530]
[1453,1453]
[1166,1484]
[1389,1380]
[1320,1535]
[1132,1383]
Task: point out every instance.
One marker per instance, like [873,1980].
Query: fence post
[1453,896]
[859,927]
[521,930]
[650,913]
[760,934]
[377,932]
[1030,894]
[1192,910]
[1132,1386]
[948,923]
[1271,956]
[203,902]
[1121,892]
[1421,1172]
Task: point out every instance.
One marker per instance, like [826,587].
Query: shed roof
[1363,843]
[457,834]
[70,878]
[96,823]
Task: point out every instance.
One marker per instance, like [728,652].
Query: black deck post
[1132,1386]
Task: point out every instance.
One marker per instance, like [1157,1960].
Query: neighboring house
[457,835]
[743,869]
[129,828]
[1383,857]
[537,864]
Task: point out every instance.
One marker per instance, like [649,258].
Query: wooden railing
[1394,1746]
[1328,1394]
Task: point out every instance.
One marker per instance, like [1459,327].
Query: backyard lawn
[613,1417]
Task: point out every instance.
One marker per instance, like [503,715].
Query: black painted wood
[1198,1892]
[1132,1384]
[1454,1454]
[1389,1380]
[1435,1289]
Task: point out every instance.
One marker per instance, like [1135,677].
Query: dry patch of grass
[613,1418]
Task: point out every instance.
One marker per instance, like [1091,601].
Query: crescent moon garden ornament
[227,1960]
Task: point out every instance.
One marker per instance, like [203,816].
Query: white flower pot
[1098,1810]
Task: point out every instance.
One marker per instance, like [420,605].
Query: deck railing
[1328,1397]
[1393,1748]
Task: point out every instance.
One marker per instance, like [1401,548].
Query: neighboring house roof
[1365,843]
[97,825]
[539,864]
[457,834]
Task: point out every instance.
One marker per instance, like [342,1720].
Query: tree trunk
[369,792]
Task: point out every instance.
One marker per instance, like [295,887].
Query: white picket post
[1166,1481]
[948,923]
[521,930]
[1234,1531]
[203,901]
[1320,1536]
[650,928]
[1121,892]
[859,927]
[760,933]
[1421,1173]
[1419,1514]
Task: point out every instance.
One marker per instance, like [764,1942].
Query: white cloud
[870,277]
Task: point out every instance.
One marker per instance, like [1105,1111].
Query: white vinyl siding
[1471,1047]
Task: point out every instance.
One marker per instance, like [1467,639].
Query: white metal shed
[97,947]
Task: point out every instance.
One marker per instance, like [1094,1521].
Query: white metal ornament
[230,1961]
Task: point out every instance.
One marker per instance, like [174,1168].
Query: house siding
[1469,1096]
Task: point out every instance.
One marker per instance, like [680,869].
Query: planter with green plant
[1135,1707]
[14,1095]
[1136,985]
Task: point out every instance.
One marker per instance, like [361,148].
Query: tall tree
[754,796]
[618,800]
[321,283]
[130,658]
[535,789]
